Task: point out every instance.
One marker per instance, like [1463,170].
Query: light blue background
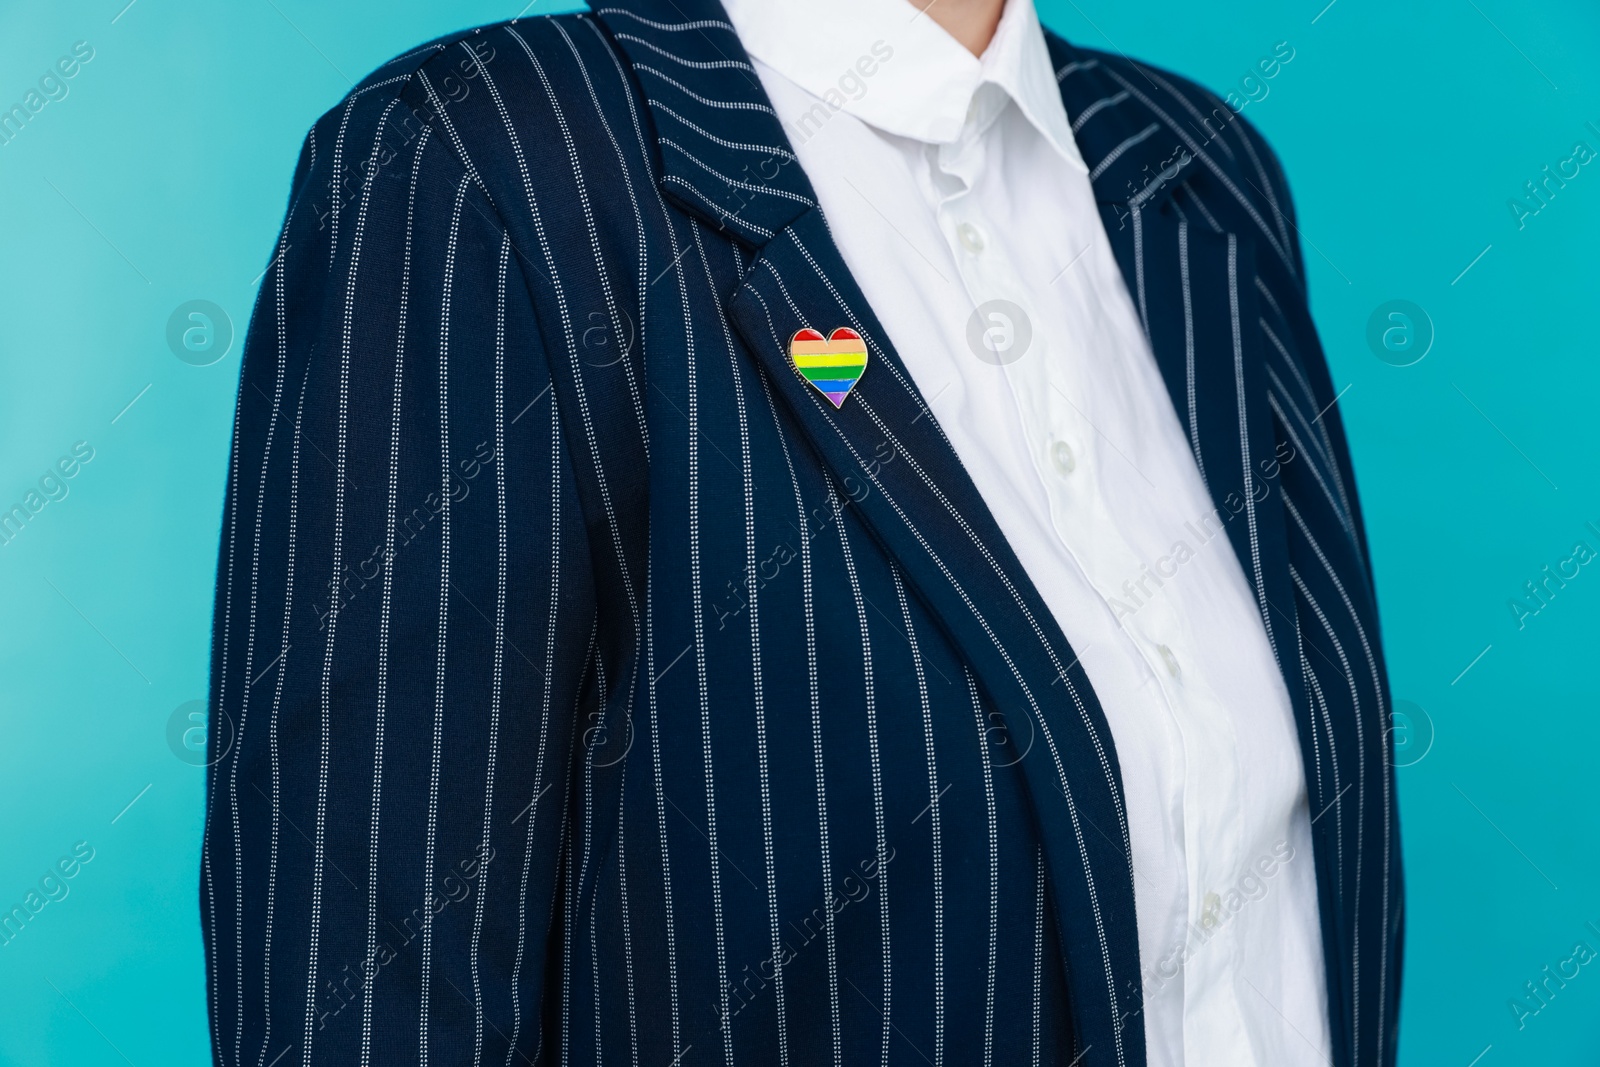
[1405,128]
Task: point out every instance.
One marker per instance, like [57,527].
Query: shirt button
[1212,912]
[1170,660]
[971,239]
[1062,459]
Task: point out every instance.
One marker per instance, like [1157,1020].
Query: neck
[971,22]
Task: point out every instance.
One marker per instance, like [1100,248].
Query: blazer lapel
[887,453]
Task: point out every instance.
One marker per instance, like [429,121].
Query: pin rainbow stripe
[833,364]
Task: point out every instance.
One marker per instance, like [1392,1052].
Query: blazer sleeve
[403,626]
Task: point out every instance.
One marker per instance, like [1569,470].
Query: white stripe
[1211,220]
[771,150]
[567,330]
[627,924]
[1261,286]
[719,64]
[872,750]
[723,214]
[561,303]
[272,722]
[369,986]
[724,105]
[424,1007]
[336,586]
[1188,105]
[416,52]
[450,131]
[575,895]
[563,843]
[209,910]
[1324,446]
[1117,152]
[767,842]
[1038,949]
[1361,817]
[1316,747]
[770,190]
[935,821]
[1383,715]
[556,452]
[1321,703]
[638,222]
[1073,68]
[1137,214]
[644,431]
[824,845]
[564,1029]
[249,668]
[655,726]
[337,184]
[594,966]
[499,636]
[1244,446]
[1328,451]
[1266,184]
[994,868]
[1316,472]
[1095,108]
[702,683]
[1188,351]
[671,27]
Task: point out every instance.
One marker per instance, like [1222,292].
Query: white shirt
[950,181]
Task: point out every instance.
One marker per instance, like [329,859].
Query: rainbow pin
[833,364]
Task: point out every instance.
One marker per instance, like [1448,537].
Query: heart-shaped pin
[833,364]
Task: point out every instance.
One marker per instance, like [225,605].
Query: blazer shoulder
[468,53]
[492,94]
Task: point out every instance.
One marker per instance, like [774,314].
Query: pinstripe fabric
[602,694]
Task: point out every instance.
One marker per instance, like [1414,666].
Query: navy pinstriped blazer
[590,691]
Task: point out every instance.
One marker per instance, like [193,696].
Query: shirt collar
[890,65]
